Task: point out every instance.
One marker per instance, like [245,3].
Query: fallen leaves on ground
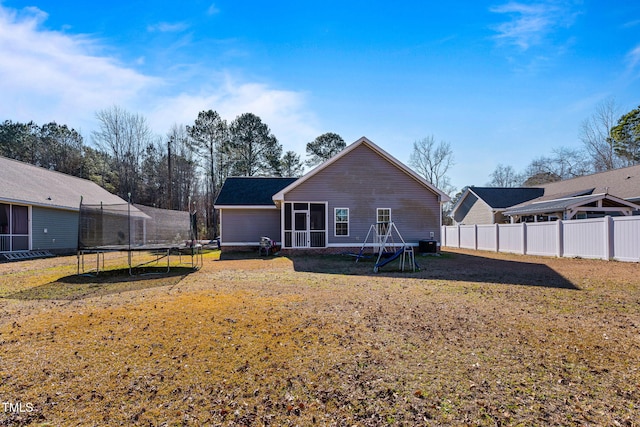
[472,339]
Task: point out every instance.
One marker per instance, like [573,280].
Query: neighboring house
[615,192]
[573,207]
[486,205]
[39,207]
[623,183]
[333,206]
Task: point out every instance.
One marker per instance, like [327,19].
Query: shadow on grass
[448,266]
[240,255]
[106,283]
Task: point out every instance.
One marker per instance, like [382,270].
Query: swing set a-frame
[385,247]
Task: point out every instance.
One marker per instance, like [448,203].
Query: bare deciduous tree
[432,160]
[505,176]
[595,134]
[564,163]
[124,136]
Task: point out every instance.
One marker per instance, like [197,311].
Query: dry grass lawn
[473,339]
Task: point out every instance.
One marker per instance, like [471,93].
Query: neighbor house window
[383,218]
[14,228]
[342,221]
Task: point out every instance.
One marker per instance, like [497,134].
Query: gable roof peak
[359,142]
[499,198]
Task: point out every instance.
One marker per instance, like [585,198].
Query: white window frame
[336,222]
[379,228]
[378,214]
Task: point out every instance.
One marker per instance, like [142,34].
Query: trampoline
[133,228]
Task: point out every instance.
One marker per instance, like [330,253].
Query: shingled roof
[27,184]
[502,198]
[250,191]
[623,183]
[563,204]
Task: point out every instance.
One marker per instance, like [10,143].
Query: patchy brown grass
[472,339]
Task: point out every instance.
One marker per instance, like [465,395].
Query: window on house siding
[14,228]
[342,221]
[4,218]
[383,218]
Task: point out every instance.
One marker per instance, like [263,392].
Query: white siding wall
[601,238]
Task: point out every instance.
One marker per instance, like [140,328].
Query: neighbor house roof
[250,191]
[362,141]
[502,198]
[623,183]
[570,203]
[23,183]
[496,198]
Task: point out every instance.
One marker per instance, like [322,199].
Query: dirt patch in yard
[471,339]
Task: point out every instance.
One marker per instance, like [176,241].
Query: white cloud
[213,9]
[633,57]
[168,27]
[529,24]
[53,76]
[48,75]
[283,111]
[631,24]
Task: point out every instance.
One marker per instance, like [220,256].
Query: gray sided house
[39,207]
[486,205]
[615,192]
[334,205]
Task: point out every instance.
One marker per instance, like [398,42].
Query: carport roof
[562,205]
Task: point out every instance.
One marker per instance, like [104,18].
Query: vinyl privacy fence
[607,238]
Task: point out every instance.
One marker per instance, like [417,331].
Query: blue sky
[501,81]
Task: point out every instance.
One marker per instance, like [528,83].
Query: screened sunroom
[14,228]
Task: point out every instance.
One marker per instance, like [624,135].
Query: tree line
[610,140]
[186,165]
[190,163]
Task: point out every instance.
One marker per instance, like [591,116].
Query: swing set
[385,246]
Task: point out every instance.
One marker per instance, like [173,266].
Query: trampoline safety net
[129,226]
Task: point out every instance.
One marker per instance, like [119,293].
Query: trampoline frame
[161,250]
